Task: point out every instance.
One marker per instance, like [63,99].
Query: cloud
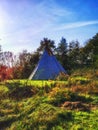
[28,19]
[76,25]
[23,24]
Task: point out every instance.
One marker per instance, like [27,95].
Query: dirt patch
[79,106]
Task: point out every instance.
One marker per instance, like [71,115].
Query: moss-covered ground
[71,104]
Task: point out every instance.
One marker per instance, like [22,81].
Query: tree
[24,64]
[46,43]
[8,58]
[62,51]
[5,73]
[74,54]
[30,65]
[91,50]
[62,47]
[1,55]
[34,60]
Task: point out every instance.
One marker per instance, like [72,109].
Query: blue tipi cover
[47,68]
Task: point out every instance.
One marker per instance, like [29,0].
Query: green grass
[49,105]
[37,83]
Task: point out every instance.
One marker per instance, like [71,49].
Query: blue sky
[24,23]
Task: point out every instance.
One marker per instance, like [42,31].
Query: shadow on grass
[7,121]
[19,93]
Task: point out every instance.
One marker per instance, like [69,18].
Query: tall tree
[24,63]
[74,54]
[62,51]
[91,50]
[46,43]
[8,58]
[62,46]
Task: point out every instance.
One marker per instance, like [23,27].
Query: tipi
[48,67]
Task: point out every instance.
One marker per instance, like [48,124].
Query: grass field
[71,104]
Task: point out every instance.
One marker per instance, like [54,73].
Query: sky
[24,23]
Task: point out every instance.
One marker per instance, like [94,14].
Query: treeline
[71,55]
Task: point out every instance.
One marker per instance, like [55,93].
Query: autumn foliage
[71,56]
[5,73]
